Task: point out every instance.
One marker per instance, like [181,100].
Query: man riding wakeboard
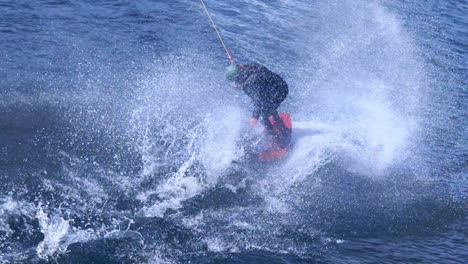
[267,90]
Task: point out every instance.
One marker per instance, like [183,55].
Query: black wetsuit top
[266,88]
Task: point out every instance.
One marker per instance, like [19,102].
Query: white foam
[156,257]
[10,207]
[175,190]
[213,143]
[215,245]
[219,148]
[315,144]
[58,235]
[360,76]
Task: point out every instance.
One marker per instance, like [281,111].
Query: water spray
[231,60]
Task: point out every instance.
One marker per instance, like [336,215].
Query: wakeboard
[277,146]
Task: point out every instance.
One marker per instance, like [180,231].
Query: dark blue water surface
[119,137]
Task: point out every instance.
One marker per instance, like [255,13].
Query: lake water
[119,135]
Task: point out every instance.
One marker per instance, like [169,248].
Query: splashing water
[58,235]
[156,171]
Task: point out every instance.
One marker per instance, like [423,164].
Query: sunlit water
[119,138]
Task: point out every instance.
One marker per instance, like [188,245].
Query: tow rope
[217,32]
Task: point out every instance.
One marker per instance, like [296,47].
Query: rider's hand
[253,121]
